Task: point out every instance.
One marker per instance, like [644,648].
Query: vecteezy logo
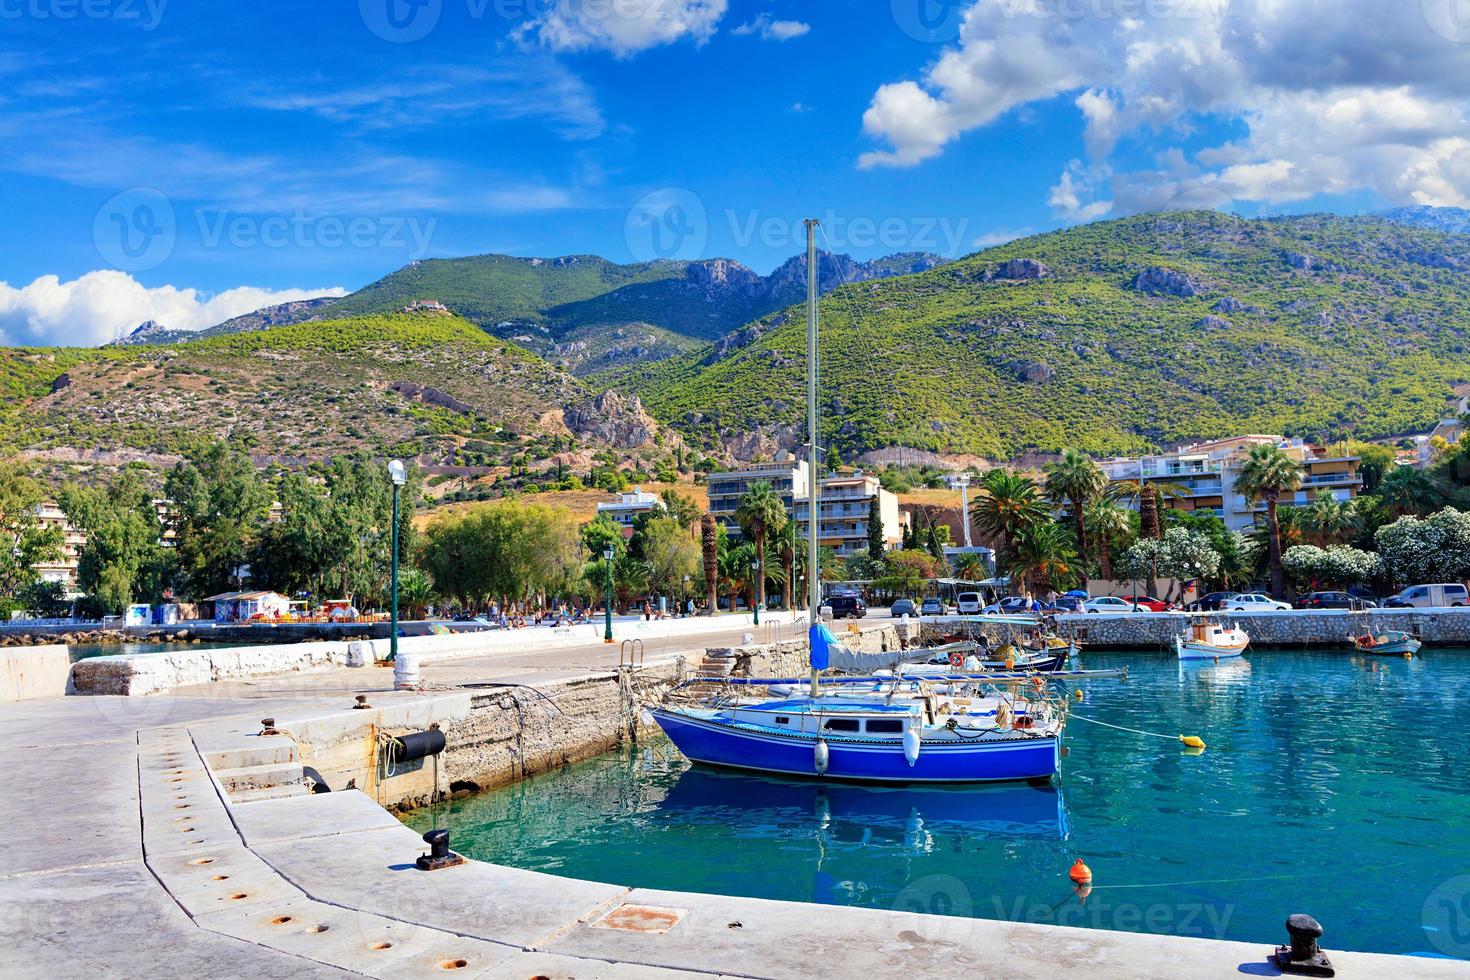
[1446,917]
[135,230]
[400,21]
[667,224]
[1450,19]
[930,21]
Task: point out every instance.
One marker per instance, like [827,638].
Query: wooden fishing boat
[1208,639]
[1386,643]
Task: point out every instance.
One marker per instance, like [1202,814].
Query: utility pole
[814,576]
[963,482]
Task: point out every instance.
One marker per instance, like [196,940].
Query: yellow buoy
[1077,694]
[1193,741]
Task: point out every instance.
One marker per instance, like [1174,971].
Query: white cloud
[998,237]
[773,30]
[97,307]
[624,27]
[1331,96]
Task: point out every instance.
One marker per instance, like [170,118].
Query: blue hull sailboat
[854,739]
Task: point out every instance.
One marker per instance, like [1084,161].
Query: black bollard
[439,856]
[1304,956]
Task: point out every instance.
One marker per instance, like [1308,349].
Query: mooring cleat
[1303,956]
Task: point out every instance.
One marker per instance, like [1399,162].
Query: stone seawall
[513,731]
[1297,628]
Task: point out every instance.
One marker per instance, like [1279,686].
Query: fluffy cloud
[774,30]
[624,27]
[97,307]
[1331,96]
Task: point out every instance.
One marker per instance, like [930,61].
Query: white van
[969,603]
[1427,596]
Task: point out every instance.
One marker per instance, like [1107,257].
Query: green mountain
[433,387]
[580,311]
[1117,336]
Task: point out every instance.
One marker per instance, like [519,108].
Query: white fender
[822,757]
[911,743]
[645,718]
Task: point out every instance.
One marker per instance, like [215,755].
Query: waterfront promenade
[101,878]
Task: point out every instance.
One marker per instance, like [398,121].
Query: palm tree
[761,511]
[1076,481]
[1148,496]
[415,591]
[1109,526]
[1045,558]
[1332,521]
[971,567]
[709,530]
[1008,504]
[1266,474]
[734,572]
[1405,490]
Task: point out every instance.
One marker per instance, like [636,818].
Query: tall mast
[814,486]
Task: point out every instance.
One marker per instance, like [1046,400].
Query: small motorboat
[1386,643]
[1209,639]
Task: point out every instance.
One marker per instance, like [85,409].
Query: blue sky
[189,160]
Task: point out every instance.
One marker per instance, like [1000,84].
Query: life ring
[956,659]
[1038,682]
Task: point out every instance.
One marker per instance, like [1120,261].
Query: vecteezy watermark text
[136,230]
[148,14]
[301,230]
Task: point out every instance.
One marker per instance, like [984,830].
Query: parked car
[1107,604]
[1254,602]
[903,607]
[1212,602]
[1429,596]
[1333,600]
[1009,605]
[1148,603]
[933,606]
[846,606]
[969,603]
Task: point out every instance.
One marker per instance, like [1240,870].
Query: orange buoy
[1080,873]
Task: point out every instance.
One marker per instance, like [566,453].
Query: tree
[1076,481]
[875,528]
[1109,530]
[509,551]
[124,560]
[1148,496]
[415,592]
[735,571]
[1266,474]
[1405,490]
[671,554]
[906,573]
[1310,566]
[1332,521]
[1434,549]
[680,508]
[709,532]
[761,512]
[603,533]
[1376,462]
[1045,557]
[934,544]
[1182,554]
[24,541]
[217,508]
[971,567]
[1008,504]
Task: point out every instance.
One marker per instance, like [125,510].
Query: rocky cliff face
[618,420]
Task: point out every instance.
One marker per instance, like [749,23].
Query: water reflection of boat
[1010,810]
[1236,670]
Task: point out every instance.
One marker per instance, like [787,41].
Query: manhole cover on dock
[641,918]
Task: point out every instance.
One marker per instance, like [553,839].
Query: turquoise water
[1333,784]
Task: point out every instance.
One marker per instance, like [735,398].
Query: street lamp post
[755,604]
[607,559]
[399,476]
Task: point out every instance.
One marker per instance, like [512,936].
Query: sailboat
[908,732]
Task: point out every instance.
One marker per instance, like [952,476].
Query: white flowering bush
[1338,565]
[1181,554]
[1435,549]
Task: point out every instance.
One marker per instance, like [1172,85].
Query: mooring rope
[1192,741]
